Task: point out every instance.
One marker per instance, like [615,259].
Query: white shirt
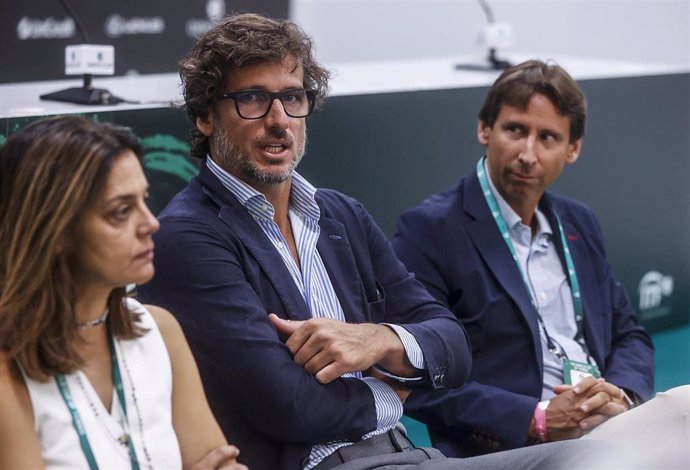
[147,381]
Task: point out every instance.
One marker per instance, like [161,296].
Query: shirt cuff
[389,408]
[412,349]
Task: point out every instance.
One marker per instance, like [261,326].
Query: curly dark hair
[516,85]
[240,40]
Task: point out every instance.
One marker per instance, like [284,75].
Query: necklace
[95,322]
[125,440]
[136,407]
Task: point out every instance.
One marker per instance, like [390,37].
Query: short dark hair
[516,85]
[241,40]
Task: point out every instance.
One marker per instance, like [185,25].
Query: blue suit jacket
[220,276]
[452,244]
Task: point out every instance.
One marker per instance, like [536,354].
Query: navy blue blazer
[452,244]
[219,274]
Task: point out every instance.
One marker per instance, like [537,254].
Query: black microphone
[77,23]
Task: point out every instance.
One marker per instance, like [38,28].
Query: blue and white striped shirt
[315,285]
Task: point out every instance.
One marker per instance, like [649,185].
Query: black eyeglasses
[255,104]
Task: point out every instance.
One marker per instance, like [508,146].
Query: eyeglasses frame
[310,94]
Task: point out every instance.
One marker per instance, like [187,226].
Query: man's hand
[329,348]
[599,414]
[565,411]
[580,408]
[563,416]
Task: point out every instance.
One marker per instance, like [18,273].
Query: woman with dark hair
[89,378]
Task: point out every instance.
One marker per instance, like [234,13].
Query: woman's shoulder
[14,394]
[163,319]
[18,440]
[11,380]
[149,315]
[14,386]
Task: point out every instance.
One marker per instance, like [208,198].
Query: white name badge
[574,372]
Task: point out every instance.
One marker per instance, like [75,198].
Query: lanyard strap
[76,419]
[570,265]
[119,389]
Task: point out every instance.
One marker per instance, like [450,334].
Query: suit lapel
[493,249]
[238,220]
[335,250]
[586,276]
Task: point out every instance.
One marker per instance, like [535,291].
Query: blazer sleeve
[630,363]
[628,359]
[202,277]
[406,302]
[479,416]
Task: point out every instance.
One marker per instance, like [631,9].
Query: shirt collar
[513,220]
[301,194]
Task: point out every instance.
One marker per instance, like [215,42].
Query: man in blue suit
[288,295]
[526,273]
[308,331]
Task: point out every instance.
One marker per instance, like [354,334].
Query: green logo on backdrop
[167,166]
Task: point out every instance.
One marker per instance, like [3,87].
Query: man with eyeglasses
[308,331]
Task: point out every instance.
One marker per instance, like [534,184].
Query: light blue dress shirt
[549,288]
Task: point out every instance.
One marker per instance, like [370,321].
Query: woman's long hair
[51,172]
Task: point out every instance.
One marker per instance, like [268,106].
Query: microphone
[87,60]
[494,35]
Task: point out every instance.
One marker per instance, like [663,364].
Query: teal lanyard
[505,233]
[76,419]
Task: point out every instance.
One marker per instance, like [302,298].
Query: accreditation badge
[574,372]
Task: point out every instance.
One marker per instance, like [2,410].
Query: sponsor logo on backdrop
[215,10]
[117,25]
[45,28]
[654,287]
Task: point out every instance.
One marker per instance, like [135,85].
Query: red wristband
[540,420]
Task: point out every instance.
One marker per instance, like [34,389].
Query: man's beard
[232,160]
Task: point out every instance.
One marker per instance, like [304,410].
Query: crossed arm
[328,349]
[222,293]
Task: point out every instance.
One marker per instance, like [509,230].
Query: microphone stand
[493,63]
[85,94]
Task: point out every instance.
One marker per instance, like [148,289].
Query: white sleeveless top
[147,381]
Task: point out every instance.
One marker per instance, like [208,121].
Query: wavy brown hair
[241,40]
[516,85]
[51,172]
